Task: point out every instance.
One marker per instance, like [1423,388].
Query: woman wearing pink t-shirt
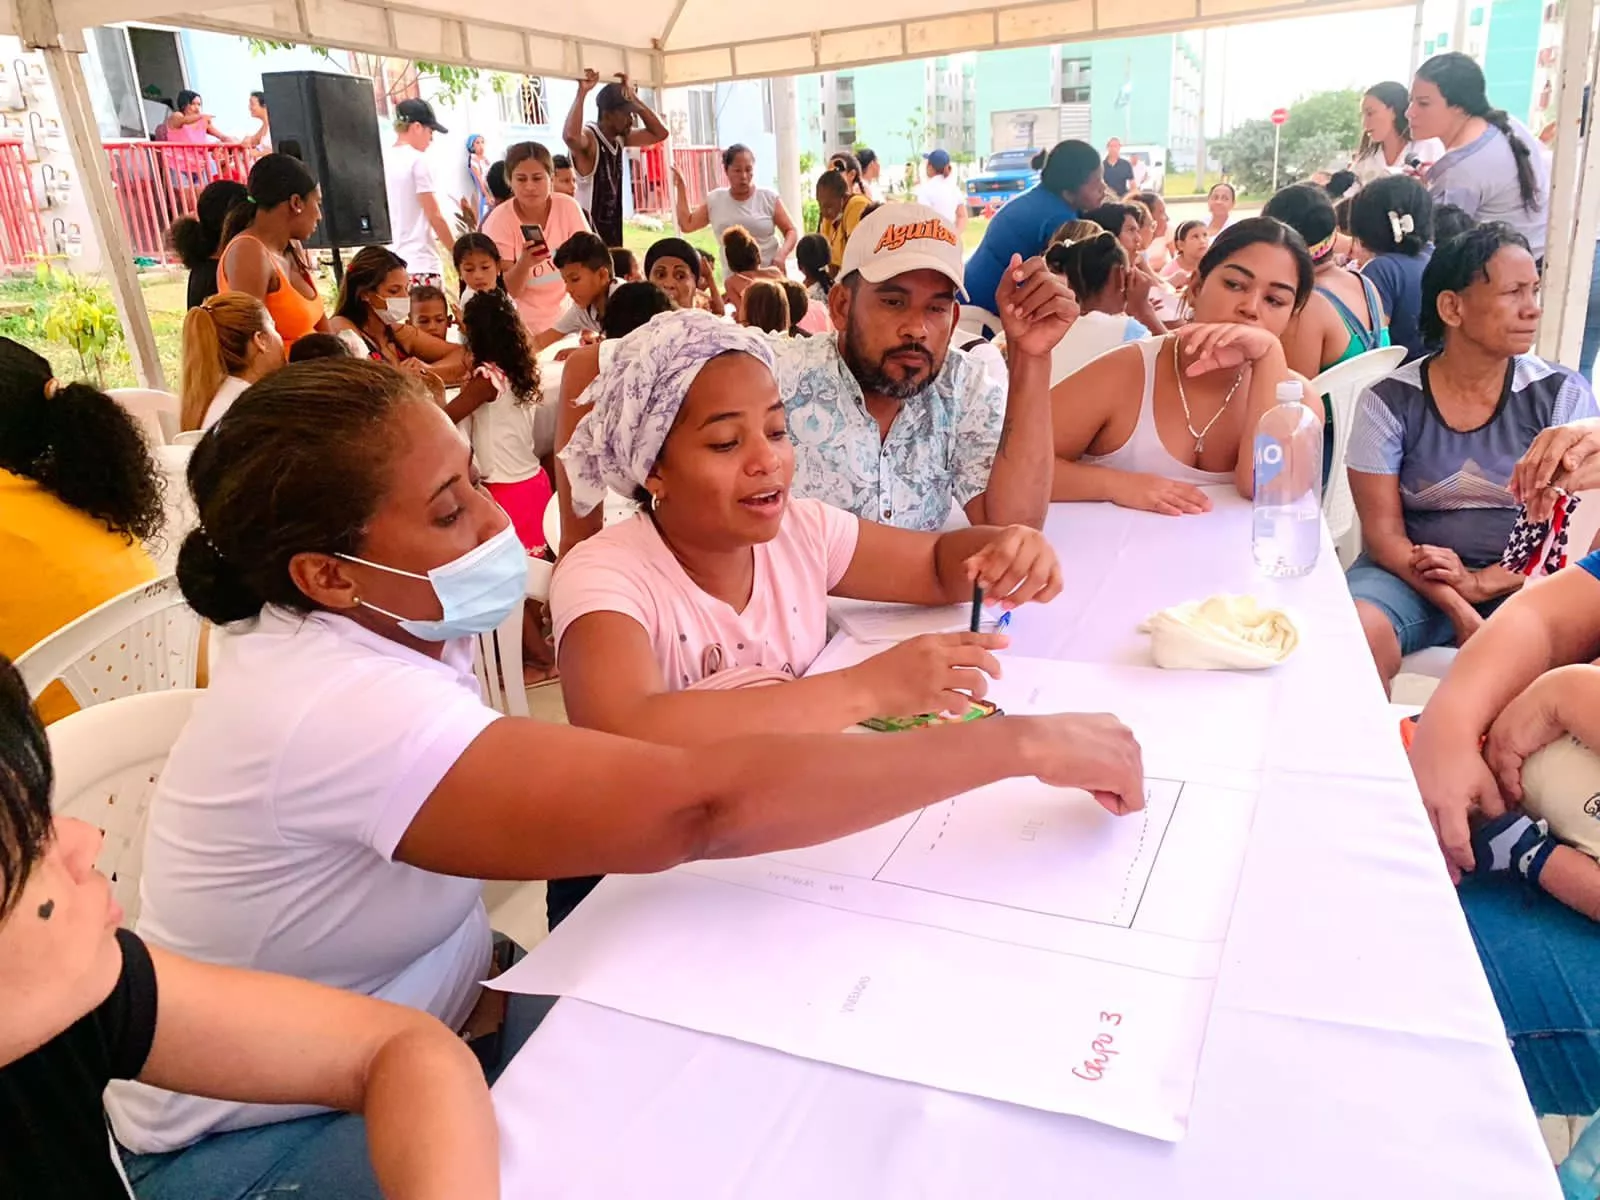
[527,267]
[666,623]
[726,573]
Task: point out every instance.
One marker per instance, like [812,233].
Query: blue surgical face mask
[477,591]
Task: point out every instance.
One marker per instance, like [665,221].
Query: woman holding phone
[528,230]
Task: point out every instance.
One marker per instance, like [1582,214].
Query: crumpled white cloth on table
[1222,633]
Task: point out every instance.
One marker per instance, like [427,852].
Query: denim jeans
[1543,964]
[312,1158]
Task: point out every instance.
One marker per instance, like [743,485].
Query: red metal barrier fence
[158,182]
[21,227]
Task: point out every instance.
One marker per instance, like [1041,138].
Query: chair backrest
[497,662]
[1343,385]
[178,507]
[145,640]
[107,761]
[552,525]
[157,411]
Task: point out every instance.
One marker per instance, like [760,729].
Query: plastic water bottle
[1287,532]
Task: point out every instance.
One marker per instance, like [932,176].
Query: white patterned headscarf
[636,399]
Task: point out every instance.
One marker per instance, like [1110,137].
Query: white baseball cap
[896,238]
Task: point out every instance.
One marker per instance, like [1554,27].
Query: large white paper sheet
[1016,942]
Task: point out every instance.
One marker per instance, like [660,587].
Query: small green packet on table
[976,710]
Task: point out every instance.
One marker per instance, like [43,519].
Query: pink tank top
[194,134]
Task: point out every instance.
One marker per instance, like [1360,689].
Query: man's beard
[872,377]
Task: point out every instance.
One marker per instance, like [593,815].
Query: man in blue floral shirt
[893,424]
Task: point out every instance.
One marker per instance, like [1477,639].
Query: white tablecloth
[1353,1048]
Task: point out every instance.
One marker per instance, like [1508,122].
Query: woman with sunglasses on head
[1148,425]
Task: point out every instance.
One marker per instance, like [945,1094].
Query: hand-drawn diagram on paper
[1017,942]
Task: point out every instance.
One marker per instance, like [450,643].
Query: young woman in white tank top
[1148,425]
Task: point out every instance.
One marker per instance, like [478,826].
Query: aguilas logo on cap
[896,236]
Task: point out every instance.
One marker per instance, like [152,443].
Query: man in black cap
[415,217]
[597,148]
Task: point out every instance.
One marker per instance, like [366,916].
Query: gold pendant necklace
[1188,420]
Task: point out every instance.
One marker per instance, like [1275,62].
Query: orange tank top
[295,315]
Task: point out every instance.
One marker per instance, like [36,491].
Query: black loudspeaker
[330,123]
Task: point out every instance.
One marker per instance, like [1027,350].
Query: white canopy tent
[675,42]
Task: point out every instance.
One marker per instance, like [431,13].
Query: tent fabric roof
[675,42]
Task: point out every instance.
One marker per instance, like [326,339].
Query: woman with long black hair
[1493,168]
[1388,145]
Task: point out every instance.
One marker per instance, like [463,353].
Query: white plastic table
[1353,1047]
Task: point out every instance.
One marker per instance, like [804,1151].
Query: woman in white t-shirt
[341,786]
[229,342]
[1386,144]
[758,209]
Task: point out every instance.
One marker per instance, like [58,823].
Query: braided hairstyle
[1460,81]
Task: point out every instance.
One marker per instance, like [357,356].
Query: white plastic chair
[497,662]
[157,411]
[178,507]
[552,525]
[145,640]
[107,761]
[1343,385]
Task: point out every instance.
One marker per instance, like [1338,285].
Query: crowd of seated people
[371,479]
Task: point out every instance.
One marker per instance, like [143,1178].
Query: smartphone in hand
[533,235]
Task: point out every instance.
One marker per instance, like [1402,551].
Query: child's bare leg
[1573,878]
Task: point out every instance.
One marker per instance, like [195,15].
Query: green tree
[1321,129]
[451,82]
[917,131]
[808,162]
[79,312]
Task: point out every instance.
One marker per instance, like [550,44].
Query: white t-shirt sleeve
[572,320]
[601,575]
[369,750]
[422,176]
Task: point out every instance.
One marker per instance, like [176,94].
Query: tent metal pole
[786,129]
[65,68]
[1569,245]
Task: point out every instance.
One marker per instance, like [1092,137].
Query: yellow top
[58,564]
[838,232]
